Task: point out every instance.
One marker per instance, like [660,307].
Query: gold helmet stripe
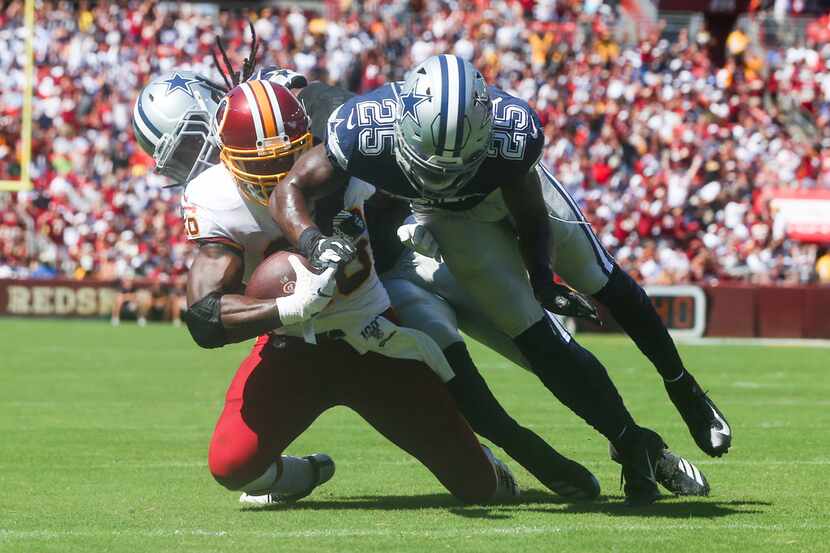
[277,110]
[265,108]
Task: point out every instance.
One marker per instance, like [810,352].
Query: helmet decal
[410,102]
[172,121]
[177,82]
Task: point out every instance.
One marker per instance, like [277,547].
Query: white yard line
[26,535]
[776,342]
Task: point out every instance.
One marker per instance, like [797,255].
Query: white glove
[312,293]
[418,238]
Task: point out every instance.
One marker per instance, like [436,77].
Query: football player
[285,383]
[432,314]
[426,296]
[464,179]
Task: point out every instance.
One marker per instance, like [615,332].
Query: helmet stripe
[453,96]
[147,122]
[462,97]
[277,110]
[442,119]
[265,108]
[255,114]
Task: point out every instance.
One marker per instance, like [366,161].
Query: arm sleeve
[320,101]
[340,139]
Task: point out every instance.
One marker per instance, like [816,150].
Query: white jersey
[215,211]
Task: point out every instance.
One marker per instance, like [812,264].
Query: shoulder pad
[361,114]
[208,204]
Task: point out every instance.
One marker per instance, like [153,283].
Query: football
[274,277]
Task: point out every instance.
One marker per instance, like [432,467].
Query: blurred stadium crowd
[665,151]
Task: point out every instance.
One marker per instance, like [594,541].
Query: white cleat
[323,467]
[507,488]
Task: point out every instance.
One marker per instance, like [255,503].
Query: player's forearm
[525,203]
[290,209]
[244,318]
[312,176]
[217,314]
[533,245]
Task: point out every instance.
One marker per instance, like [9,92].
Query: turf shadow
[675,508]
[415,502]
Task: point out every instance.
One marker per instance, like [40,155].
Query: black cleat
[706,422]
[679,476]
[577,482]
[639,467]
[676,474]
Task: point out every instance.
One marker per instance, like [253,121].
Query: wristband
[308,241]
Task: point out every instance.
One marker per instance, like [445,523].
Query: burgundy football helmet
[262,129]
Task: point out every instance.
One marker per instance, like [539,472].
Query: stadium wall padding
[732,310]
[746,311]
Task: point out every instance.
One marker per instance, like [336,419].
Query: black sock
[575,377]
[489,419]
[631,307]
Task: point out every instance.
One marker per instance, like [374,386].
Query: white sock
[262,485]
[297,476]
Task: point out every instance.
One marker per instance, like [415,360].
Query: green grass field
[104,435]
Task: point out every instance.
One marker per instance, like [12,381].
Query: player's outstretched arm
[525,202]
[526,205]
[312,176]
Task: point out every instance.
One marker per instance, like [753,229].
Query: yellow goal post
[25,183]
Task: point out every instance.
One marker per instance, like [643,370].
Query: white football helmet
[171,120]
[443,125]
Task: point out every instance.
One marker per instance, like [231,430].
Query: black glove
[564,301]
[326,251]
[348,225]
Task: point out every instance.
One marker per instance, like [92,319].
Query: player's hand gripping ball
[301,292]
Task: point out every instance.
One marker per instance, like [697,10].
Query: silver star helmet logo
[177,82]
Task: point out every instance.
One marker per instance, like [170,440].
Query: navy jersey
[360,136]
[383,214]
[319,101]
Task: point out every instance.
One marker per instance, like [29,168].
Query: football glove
[419,239]
[348,225]
[312,293]
[332,252]
[564,301]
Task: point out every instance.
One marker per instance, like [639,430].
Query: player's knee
[225,466]
[442,332]
[541,338]
[619,288]
[233,463]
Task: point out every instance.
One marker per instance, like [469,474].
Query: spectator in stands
[664,151]
[823,267]
[131,303]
